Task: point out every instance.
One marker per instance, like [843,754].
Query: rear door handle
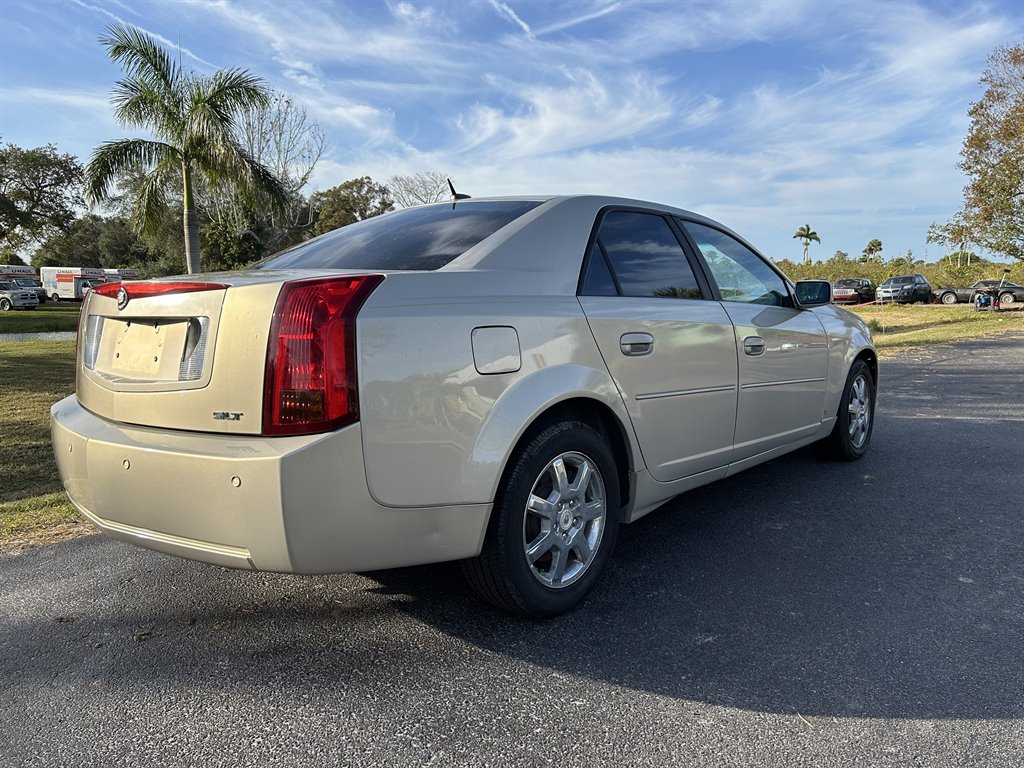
[753,346]
[636,344]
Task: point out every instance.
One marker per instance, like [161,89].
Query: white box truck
[70,282]
[24,277]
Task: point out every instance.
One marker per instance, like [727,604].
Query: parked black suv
[905,289]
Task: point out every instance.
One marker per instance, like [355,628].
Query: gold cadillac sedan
[497,381]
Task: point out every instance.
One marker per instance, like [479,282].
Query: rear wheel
[948,298]
[553,525]
[5,305]
[851,435]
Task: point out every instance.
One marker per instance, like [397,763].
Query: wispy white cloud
[159,38]
[506,12]
[578,18]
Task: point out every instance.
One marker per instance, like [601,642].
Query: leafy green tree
[193,118]
[347,203]
[95,241]
[39,192]
[806,235]
[993,155]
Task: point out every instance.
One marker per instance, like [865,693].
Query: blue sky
[847,116]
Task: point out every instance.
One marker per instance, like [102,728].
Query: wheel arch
[598,414]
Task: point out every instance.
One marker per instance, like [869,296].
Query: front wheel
[851,435]
[55,297]
[948,298]
[1007,298]
[5,305]
[553,525]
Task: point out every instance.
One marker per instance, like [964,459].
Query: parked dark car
[1008,292]
[853,290]
[904,289]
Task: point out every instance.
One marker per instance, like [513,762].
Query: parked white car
[13,296]
[498,381]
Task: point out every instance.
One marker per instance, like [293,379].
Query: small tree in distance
[806,235]
[347,203]
[419,188]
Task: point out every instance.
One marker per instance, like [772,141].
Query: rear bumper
[289,504]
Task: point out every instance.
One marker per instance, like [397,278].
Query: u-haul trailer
[121,274]
[70,282]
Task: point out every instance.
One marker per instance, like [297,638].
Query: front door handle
[753,346]
[636,344]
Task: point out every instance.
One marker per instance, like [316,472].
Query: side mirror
[813,293]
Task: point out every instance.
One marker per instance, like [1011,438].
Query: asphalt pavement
[803,613]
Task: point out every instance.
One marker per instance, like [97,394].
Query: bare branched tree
[419,188]
[282,137]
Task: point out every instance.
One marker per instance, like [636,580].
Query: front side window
[741,274]
[645,256]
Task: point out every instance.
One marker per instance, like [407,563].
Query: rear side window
[645,256]
[413,238]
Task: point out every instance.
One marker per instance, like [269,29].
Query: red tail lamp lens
[311,356]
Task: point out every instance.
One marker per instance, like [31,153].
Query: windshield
[426,237]
[847,283]
[28,282]
[898,281]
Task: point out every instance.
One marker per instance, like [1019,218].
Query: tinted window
[899,280]
[646,256]
[413,238]
[741,274]
[599,280]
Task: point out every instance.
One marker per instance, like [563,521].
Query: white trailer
[70,282]
[24,277]
[121,274]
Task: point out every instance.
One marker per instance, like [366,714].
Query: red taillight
[311,355]
[140,290]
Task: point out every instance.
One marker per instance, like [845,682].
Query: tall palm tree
[192,118]
[806,236]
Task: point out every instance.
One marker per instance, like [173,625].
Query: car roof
[546,245]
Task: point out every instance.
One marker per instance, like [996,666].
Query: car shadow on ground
[882,588]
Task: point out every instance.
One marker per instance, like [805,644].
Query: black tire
[5,305]
[948,298]
[502,574]
[1007,298]
[844,443]
[55,297]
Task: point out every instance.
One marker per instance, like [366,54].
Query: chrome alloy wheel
[859,409]
[565,520]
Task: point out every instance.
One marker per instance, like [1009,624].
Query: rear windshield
[413,238]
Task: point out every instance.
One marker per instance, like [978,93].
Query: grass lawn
[51,316]
[899,327]
[35,374]
[33,507]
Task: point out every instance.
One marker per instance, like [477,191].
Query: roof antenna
[455,195]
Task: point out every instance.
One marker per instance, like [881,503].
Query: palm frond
[230,165]
[112,158]
[152,195]
[143,59]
